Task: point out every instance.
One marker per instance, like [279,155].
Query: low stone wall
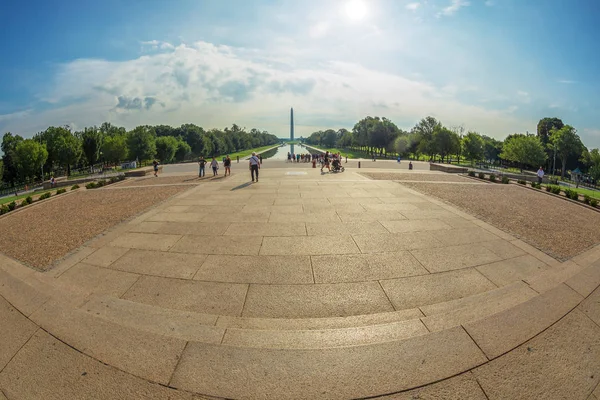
[142,171]
[448,168]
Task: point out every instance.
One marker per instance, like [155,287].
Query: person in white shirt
[540,175]
[254,166]
[215,166]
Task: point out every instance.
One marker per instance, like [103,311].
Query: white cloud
[454,6]
[412,6]
[215,86]
[566,81]
[489,3]
[523,96]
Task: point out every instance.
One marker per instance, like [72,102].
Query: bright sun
[356,9]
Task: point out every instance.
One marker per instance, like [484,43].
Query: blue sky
[493,66]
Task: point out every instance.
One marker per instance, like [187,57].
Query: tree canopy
[525,150]
[567,143]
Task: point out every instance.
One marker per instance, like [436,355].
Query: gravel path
[555,226]
[409,176]
[47,232]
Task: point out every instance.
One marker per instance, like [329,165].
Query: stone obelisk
[292,124]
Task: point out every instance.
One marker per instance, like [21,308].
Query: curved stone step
[344,372]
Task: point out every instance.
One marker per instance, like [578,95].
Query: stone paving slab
[457,312]
[230,245]
[319,323]
[321,217]
[146,241]
[370,216]
[308,245]
[160,263]
[461,387]
[316,338]
[365,267]
[396,242]
[449,258]
[177,217]
[48,369]
[506,330]
[415,225]
[464,236]
[222,218]
[549,279]
[503,248]
[563,362]
[15,331]
[514,269]
[143,354]
[314,301]
[21,295]
[105,256]
[178,324]
[591,306]
[98,280]
[266,229]
[204,297]
[346,228]
[394,207]
[347,372]
[423,290]
[586,281]
[257,269]
[192,228]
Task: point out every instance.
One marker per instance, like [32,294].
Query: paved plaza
[302,286]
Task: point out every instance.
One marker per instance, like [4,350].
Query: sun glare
[356,10]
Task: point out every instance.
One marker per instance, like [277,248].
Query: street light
[554,165]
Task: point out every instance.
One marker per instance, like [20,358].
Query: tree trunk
[564,166]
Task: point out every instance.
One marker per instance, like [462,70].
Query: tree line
[58,149]
[430,138]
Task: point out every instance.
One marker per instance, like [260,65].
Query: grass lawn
[592,193]
[6,200]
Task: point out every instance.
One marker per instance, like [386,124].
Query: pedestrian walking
[201,165]
[540,175]
[260,158]
[215,166]
[155,164]
[227,165]
[254,164]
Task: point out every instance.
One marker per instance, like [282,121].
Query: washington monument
[292,124]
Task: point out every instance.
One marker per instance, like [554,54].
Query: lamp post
[554,164]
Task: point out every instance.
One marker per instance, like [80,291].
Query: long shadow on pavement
[243,185]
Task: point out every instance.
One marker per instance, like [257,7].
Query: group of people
[328,160]
[254,165]
[304,157]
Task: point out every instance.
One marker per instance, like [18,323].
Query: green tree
[141,143]
[329,138]
[10,173]
[114,149]
[166,146]
[545,126]
[69,150]
[91,142]
[183,149]
[567,143]
[345,139]
[108,129]
[30,156]
[472,145]
[491,149]
[425,130]
[524,150]
[446,141]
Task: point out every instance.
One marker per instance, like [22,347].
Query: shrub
[4,209]
[522,182]
[61,191]
[45,196]
[586,199]
[114,179]
[536,185]
[594,203]
[492,178]
[121,177]
[28,199]
[556,189]
[481,175]
[75,187]
[12,205]
[505,180]
[24,203]
[91,185]
[572,194]
[549,188]
[471,173]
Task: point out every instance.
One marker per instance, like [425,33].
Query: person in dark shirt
[201,164]
[227,164]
